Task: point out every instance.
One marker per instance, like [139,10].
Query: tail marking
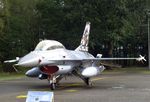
[85,38]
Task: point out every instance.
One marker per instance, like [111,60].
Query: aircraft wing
[104,59]
[98,59]
[140,58]
[69,61]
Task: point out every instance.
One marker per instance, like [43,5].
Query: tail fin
[85,38]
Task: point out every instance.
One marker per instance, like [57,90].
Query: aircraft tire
[53,86]
[88,82]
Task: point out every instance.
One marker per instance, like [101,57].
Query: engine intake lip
[49,69]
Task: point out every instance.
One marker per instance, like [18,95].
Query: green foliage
[19,29]
[113,23]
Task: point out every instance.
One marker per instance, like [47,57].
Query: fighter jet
[52,61]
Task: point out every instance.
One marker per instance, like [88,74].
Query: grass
[10,76]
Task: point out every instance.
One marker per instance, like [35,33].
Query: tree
[19,30]
[113,23]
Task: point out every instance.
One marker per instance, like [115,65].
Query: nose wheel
[53,86]
[52,82]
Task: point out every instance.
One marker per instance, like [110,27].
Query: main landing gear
[87,81]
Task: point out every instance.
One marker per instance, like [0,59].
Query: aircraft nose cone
[30,60]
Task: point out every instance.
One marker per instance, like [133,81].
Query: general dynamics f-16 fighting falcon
[52,61]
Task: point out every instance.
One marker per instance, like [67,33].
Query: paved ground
[107,88]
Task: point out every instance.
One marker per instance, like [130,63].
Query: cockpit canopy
[45,45]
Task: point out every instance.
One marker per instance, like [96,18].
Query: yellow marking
[21,96]
[95,79]
[71,90]
[74,84]
[69,85]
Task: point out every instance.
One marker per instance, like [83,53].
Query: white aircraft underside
[51,60]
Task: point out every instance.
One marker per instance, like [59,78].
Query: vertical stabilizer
[85,38]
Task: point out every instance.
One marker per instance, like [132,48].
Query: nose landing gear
[53,81]
[53,86]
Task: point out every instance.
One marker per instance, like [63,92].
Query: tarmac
[115,87]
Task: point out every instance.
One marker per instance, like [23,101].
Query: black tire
[88,82]
[53,86]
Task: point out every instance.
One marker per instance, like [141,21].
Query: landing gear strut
[53,86]
[87,81]
[52,82]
